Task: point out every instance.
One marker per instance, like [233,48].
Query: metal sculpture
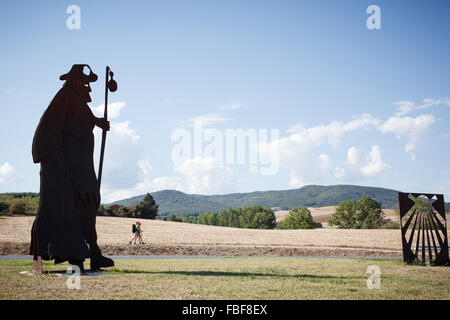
[69,191]
[424,228]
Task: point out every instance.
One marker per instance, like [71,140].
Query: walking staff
[110,85]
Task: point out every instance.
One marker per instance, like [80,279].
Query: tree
[261,217]
[233,216]
[365,213]
[101,210]
[345,215]
[3,206]
[421,204]
[18,207]
[146,209]
[202,218]
[110,212]
[229,218]
[192,219]
[369,214]
[173,217]
[211,219]
[124,211]
[298,218]
[254,217]
[188,219]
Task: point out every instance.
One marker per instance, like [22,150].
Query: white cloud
[309,169]
[161,183]
[232,106]
[145,167]
[353,156]
[298,155]
[374,164]
[195,175]
[405,107]
[144,182]
[339,172]
[203,120]
[208,119]
[127,172]
[296,151]
[356,169]
[364,122]
[8,174]
[122,153]
[113,109]
[110,195]
[121,132]
[204,175]
[121,144]
[301,152]
[324,161]
[412,129]
[331,133]
[148,183]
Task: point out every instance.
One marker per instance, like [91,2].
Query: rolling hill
[179,203]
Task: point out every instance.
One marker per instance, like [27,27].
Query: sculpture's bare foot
[37,268]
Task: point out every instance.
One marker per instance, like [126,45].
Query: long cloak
[63,143]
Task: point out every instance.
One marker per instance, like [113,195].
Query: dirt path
[7,248]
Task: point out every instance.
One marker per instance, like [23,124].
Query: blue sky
[352,105]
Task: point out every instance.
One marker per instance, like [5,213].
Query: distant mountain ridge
[179,203]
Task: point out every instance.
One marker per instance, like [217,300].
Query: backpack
[133,230]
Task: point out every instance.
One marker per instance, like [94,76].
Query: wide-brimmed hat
[76,73]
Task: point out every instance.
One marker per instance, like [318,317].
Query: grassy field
[232,278]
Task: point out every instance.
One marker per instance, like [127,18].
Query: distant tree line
[25,203]
[365,213]
[253,217]
[146,209]
[19,203]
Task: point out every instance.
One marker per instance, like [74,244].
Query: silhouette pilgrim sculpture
[69,190]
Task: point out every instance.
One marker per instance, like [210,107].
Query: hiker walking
[140,233]
[137,231]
